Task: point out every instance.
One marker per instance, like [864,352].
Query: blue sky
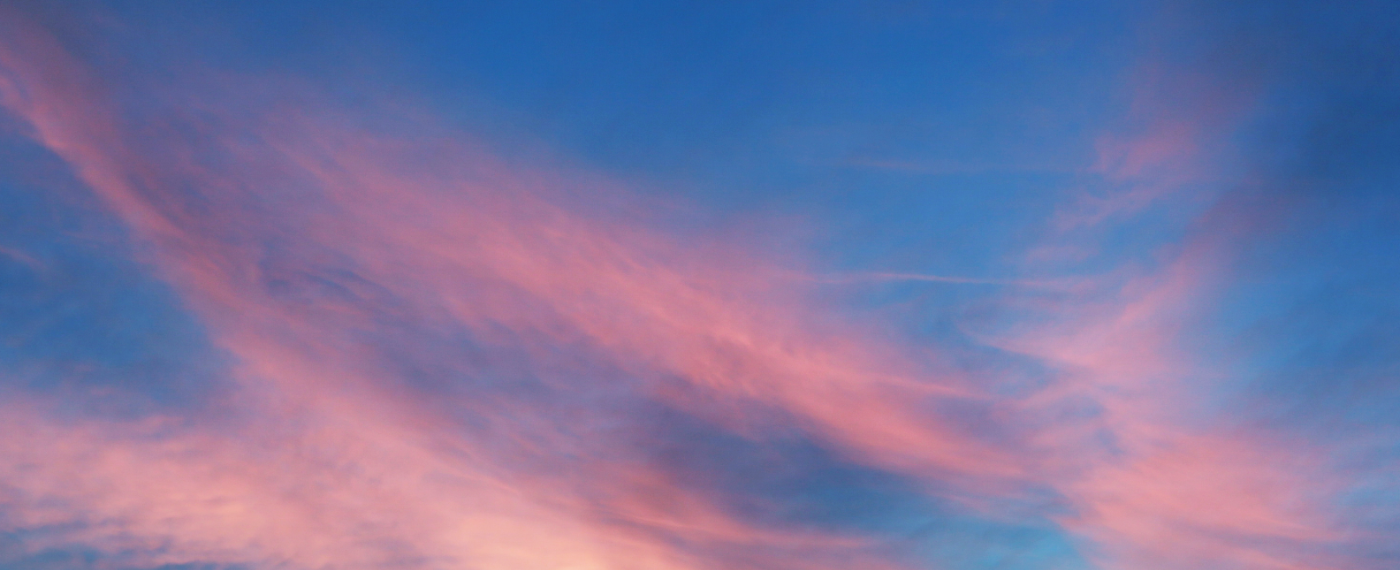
[684,285]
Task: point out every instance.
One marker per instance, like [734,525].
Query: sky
[613,285]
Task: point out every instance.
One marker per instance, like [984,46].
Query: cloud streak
[348,274]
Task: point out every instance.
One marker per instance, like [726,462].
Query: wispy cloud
[332,263]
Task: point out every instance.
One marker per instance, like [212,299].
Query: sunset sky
[865,285]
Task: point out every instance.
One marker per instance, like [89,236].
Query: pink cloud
[1158,478]
[345,467]
[1170,151]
